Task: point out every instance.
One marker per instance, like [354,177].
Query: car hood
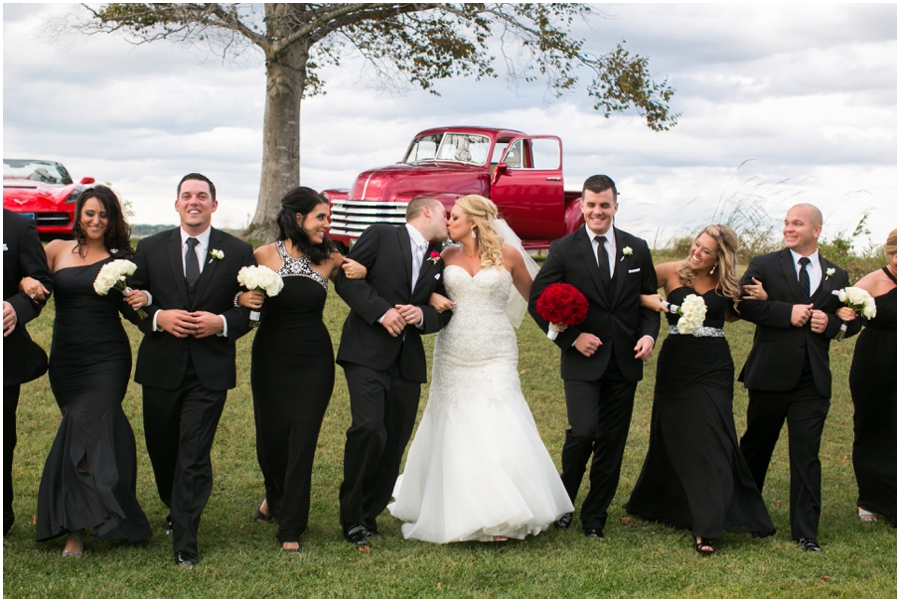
[405,180]
[24,195]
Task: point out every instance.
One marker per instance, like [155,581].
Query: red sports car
[42,191]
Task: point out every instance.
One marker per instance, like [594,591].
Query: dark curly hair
[302,200]
[118,232]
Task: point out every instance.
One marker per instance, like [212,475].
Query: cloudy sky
[779,104]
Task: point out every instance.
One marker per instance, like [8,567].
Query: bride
[477,468]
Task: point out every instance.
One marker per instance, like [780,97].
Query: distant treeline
[145,230]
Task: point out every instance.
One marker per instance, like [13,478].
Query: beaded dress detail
[297,266]
[477,466]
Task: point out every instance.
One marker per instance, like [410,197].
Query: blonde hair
[890,247]
[727,245]
[482,212]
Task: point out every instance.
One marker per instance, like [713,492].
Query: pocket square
[634,271]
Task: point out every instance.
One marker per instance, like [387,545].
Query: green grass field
[241,559]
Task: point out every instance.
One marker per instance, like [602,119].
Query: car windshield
[48,172]
[448,146]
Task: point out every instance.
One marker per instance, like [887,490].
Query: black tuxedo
[185,380]
[787,375]
[384,373]
[23,359]
[599,389]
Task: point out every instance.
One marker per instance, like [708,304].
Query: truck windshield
[457,148]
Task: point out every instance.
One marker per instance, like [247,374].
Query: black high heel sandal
[704,547]
[260,517]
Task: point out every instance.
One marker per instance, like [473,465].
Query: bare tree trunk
[285,80]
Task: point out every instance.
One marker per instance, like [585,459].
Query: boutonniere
[829,273]
[626,252]
[434,257]
[216,254]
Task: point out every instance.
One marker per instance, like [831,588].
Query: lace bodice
[297,266]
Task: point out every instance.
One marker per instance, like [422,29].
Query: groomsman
[601,360]
[186,358]
[23,359]
[382,356]
[787,373]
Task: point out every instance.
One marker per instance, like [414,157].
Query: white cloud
[808,93]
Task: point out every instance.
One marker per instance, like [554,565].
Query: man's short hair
[415,206]
[202,178]
[598,184]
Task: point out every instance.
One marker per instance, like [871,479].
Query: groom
[602,358]
[382,356]
[186,359]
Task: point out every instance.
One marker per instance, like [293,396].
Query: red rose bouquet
[561,304]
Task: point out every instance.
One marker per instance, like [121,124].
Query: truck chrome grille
[350,218]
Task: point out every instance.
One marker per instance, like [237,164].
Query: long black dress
[873,386]
[694,476]
[90,364]
[292,376]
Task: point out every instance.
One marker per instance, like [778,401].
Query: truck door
[527,187]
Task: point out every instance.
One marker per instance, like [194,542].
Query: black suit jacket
[23,255]
[779,349]
[162,358]
[619,318]
[385,251]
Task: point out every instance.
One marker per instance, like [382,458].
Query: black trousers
[383,406]
[599,413]
[179,427]
[805,411]
[10,404]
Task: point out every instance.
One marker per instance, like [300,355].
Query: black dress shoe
[594,533]
[185,559]
[809,545]
[358,536]
[563,522]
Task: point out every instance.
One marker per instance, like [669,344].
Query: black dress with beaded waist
[292,376]
[694,476]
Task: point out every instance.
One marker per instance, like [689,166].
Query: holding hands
[182,324]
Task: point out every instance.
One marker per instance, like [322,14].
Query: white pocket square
[635,270]
[437,276]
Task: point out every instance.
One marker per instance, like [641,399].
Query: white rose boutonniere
[216,254]
[626,252]
[829,273]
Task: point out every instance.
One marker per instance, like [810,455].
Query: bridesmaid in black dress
[90,473]
[292,370]
[694,476]
[873,385]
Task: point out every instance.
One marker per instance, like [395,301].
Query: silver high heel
[79,537]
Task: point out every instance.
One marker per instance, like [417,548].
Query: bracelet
[149,297]
[236,304]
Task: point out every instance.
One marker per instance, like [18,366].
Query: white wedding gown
[477,466]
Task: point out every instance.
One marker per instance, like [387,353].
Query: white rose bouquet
[259,278]
[857,299]
[692,311]
[112,276]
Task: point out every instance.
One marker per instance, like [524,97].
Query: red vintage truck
[521,173]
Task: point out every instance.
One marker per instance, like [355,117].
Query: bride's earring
[473,233]
[713,270]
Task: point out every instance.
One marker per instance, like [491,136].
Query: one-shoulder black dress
[292,376]
[873,386]
[90,364]
[694,476]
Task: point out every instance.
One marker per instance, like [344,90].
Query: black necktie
[602,259]
[191,267]
[804,277]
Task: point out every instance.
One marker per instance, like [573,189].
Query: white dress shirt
[417,246]
[202,251]
[814,269]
